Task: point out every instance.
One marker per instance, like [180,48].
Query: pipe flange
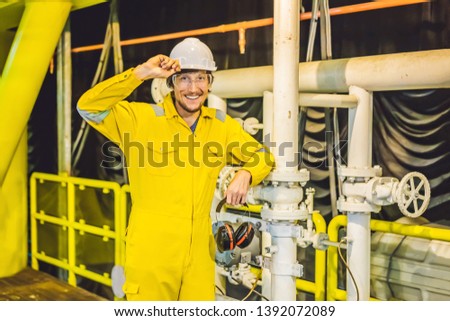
[281,215]
[284,230]
[344,171]
[302,176]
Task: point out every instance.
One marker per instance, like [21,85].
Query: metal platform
[32,285]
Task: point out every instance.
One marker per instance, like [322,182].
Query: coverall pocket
[161,162]
[130,288]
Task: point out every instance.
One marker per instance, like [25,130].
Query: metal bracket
[284,231]
[345,206]
[285,215]
[302,176]
[295,269]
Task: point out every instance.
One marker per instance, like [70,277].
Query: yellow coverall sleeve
[241,146]
[103,105]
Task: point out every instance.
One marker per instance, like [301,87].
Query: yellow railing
[333,292]
[70,224]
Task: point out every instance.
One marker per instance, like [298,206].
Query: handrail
[65,220]
[425,232]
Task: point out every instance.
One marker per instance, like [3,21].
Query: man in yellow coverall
[174,152]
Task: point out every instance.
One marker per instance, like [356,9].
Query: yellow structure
[13,213]
[24,60]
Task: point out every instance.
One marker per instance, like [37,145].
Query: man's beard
[186,108]
[180,103]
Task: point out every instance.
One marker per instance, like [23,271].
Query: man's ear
[169,82]
[211,80]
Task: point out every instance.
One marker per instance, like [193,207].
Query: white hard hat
[193,54]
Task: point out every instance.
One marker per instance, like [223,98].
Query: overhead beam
[11,11]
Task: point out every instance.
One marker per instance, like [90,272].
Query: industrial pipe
[267,118]
[285,125]
[358,223]
[327,100]
[399,71]
[217,102]
[285,84]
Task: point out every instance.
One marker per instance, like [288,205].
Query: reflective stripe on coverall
[172,172]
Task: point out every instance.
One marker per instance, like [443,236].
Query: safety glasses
[187,79]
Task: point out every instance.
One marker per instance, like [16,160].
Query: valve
[226,175]
[413,194]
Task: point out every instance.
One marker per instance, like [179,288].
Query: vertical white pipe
[358,255]
[358,228]
[283,285]
[285,83]
[285,137]
[268,120]
[360,129]
[266,241]
[217,103]
[64,101]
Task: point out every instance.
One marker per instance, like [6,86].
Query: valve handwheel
[225,176]
[413,194]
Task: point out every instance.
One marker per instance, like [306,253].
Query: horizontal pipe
[335,244]
[426,232]
[399,71]
[243,25]
[327,100]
